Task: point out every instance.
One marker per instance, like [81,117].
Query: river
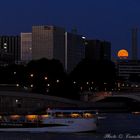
[115,126]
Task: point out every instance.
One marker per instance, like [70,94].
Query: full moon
[123,54]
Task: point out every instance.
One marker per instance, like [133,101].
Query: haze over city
[96,19]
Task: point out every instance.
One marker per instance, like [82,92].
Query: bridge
[103,95]
[22,102]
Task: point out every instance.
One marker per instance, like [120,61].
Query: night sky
[110,20]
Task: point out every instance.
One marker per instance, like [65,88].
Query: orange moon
[123,53]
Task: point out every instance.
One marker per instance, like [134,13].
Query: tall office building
[134,44]
[54,43]
[74,50]
[48,42]
[26,47]
[10,49]
[97,50]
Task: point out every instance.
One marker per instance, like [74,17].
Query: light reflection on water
[114,124]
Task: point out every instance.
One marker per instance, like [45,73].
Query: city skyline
[97,19]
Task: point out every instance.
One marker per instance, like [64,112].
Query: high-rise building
[48,42]
[10,49]
[54,43]
[97,50]
[74,50]
[26,47]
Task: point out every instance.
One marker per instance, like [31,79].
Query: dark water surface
[119,126]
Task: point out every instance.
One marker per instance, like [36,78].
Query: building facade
[128,68]
[74,50]
[97,50]
[48,42]
[10,49]
[54,43]
[26,47]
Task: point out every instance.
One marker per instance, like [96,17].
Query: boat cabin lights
[75,115]
[45,116]
[59,115]
[15,117]
[32,117]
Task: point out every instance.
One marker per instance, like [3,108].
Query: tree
[100,72]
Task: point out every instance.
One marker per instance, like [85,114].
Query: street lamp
[45,77]
[17,85]
[32,75]
[32,85]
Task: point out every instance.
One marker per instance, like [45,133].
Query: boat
[53,120]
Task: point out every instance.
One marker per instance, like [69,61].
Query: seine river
[118,126]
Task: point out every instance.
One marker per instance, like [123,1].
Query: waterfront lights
[16,100]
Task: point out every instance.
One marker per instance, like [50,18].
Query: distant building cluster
[52,43]
[98,50]
[128,68]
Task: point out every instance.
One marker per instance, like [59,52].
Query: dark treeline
[48,77]
[101,74]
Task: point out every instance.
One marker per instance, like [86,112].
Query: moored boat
[54,120]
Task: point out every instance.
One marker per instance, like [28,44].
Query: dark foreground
[111,126]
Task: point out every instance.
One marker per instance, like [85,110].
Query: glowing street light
[74,82]
[83,37]
[32,75]
[15,72]
[45,77]
[32,86]
[16,100]
[17,85]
